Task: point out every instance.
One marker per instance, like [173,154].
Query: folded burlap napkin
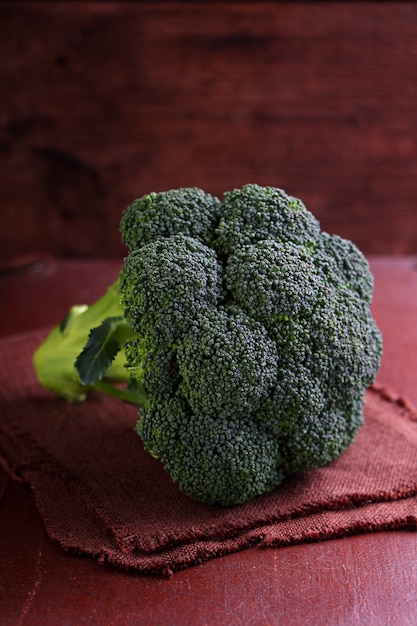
[100,494]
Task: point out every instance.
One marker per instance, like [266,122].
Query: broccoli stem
[136,396]
[55,359]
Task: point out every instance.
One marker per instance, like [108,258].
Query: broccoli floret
[247,338]
[227,363]
[189,211]
[213,460]
[351,268]
[165,283]
[255,213]
[274,280]
[153,366]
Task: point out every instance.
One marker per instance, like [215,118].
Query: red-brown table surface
[365,579]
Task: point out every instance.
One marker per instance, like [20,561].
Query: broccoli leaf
[104,342]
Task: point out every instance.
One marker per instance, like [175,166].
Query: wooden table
[369,579]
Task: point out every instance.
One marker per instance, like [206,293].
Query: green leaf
[100,350]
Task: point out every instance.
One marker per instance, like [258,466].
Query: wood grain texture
[105,101]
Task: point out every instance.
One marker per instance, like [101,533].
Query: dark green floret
[164,284]
[189,211]
[227,363]
[241,330]
[273,280]
[255,213]
[211,459]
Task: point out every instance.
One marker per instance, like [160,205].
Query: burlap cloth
[100,494]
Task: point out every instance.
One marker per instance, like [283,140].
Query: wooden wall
[102,102]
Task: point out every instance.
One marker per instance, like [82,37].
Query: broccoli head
[246,334]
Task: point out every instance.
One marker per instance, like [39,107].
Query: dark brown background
[102,102]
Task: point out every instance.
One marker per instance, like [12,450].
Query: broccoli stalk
[85,352]
[241,330]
